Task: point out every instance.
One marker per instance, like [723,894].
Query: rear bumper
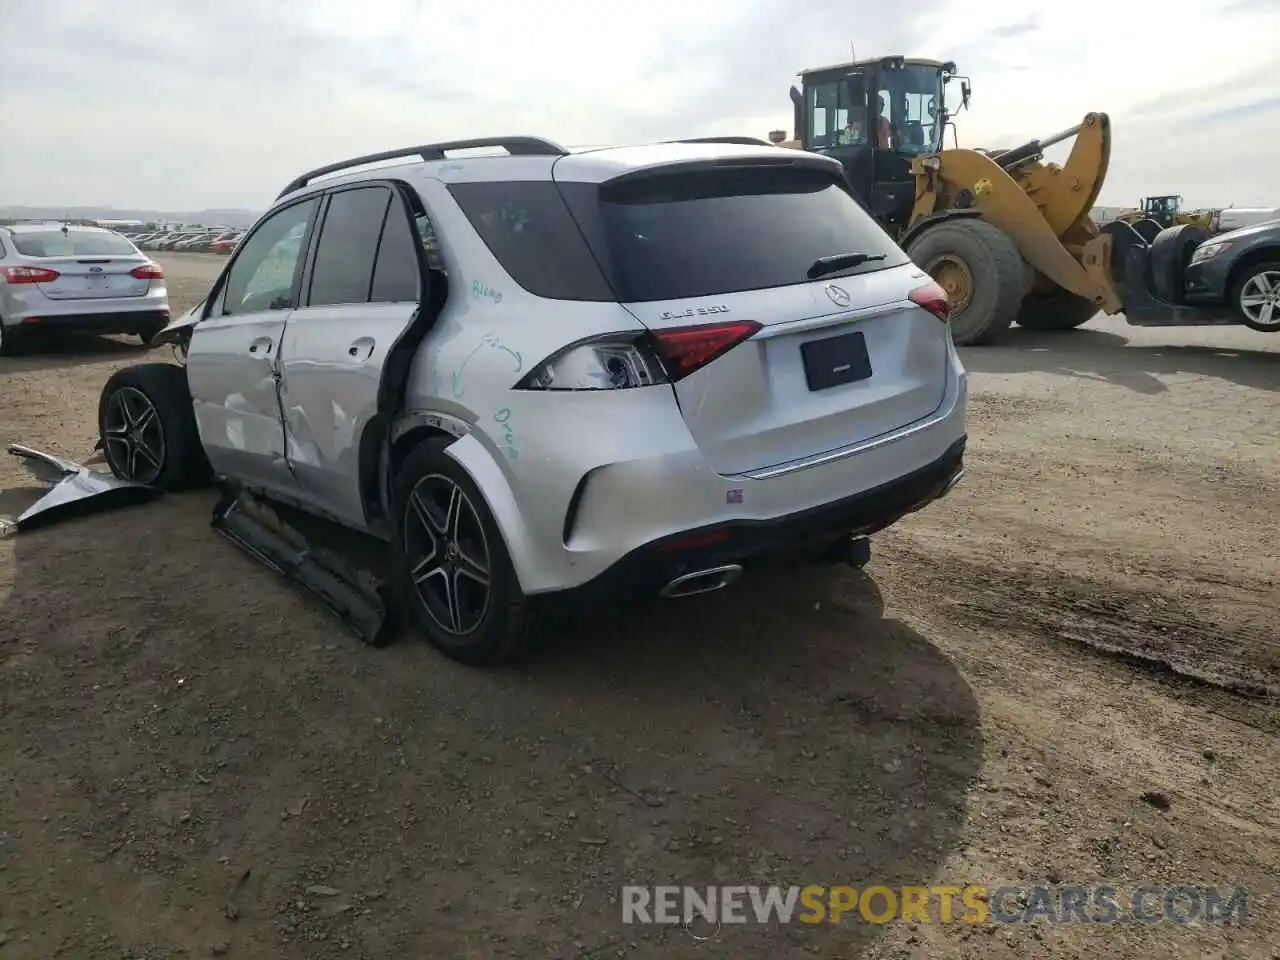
[645,571]
[577,505]
[118,321]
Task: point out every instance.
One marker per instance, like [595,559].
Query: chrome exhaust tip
[701,581]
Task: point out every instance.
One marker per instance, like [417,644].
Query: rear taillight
[621,361]
[615,361]
[932,298]
[686,349]
[148,271]
[29,274]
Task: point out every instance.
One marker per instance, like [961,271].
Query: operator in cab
[882,127]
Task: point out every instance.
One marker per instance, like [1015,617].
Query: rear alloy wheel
[134,436]
[148,429]
[445,541]
[451,563]
[982,272]
[1256,296]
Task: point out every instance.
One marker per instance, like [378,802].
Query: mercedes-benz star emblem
[839,295]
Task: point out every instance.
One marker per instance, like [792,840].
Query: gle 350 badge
[693,312]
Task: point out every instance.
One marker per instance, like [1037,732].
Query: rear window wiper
[840,261]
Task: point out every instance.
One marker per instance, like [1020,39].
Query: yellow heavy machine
[1007,234]
[1153,214]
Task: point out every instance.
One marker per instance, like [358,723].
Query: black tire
[1147,228]
[1123,239]
[179,454]
[8,340]
[1238,290]
[996,269]
[1059,309]
[1170,253]
[501,632]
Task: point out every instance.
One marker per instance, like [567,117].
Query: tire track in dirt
[1163,634]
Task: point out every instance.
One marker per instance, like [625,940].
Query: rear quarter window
[703,232]
[529,230]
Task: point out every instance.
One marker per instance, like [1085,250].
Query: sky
[173,106]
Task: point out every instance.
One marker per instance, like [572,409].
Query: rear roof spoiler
[788,159]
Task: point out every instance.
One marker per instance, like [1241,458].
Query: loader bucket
[1142,308]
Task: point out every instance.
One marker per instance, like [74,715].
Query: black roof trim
[516,146]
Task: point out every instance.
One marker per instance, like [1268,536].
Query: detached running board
[356,600]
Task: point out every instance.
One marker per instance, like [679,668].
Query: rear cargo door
[838,359]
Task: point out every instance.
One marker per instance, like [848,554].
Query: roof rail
[516,146]
[740,141]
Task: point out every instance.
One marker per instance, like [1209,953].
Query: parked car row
[187,241]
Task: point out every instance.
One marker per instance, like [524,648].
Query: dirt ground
[197,760]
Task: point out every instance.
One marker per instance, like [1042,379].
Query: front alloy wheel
[448,554]
[134,436]
[1260,299]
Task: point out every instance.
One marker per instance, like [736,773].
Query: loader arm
[1042,207]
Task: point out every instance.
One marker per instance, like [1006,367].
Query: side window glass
[343,269]
[395,275]
[430,243]
[531,233]
[262,276]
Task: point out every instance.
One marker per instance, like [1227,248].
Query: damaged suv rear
[542,373]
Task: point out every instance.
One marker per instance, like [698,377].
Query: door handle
[361,349]
[262,347]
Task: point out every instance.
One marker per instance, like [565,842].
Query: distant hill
[228,218]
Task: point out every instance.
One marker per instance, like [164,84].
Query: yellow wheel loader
[1008,235]
[1153,214]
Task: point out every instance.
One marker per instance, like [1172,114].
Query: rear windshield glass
[73,243]
[704,233]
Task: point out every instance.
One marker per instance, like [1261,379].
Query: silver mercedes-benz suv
[542,372]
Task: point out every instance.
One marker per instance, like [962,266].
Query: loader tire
[1059,309]
[1148,229]
[976,255]
[1123,239]
[1170,253]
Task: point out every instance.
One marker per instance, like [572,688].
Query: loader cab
[875,117]
[1163,210]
